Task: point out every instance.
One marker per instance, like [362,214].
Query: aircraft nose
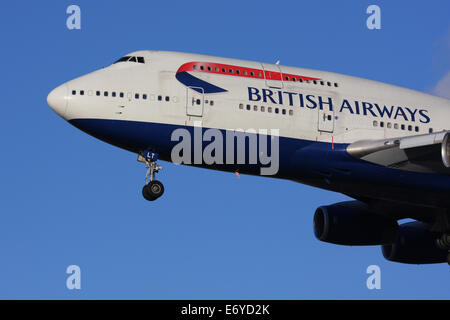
[57,100]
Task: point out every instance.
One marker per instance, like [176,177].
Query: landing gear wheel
[153,190]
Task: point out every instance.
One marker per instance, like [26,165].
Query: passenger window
[262,108]
[335,84]
[82,92]
[97,93]
[314,81]
[245,73]
[201,68]
[329,117]
[211,103]
[209,68]
[416,129]
[255,108]
[230,70]
[241,106]
[167,99]
[259,74]
[252,73]
[403,127]
[291,112]
[430,130]
[283,111]
[329,83]
[144,96]
[375,123]
[198,101]
[113,93]
[216,69]
[74,92]
[238,72]
[269,109]
[121,94]
[382,124]
[136,96]
[396,126]
[248,107]
[389,125]
[105,93]
[409,128]
[277,110]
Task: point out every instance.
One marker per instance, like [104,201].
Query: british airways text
[350,106]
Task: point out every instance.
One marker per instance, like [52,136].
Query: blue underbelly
[314,163]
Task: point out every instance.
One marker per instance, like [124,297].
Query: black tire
[147,194]
[156,188]
[153,190]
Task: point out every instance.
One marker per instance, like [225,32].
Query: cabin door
[194,101]
[272,74]
[326,119]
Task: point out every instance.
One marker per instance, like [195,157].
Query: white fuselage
[134,105]
[419,112]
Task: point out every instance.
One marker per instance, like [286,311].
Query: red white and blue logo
[186,74]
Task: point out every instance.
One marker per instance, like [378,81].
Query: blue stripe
[189,80]
[308,162]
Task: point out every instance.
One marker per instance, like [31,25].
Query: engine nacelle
[416,244]
[445,150]
[351,223]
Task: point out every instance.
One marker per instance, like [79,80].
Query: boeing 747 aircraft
[385,146]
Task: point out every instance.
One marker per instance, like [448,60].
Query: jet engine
[352,223]
[416,244]
[445,150]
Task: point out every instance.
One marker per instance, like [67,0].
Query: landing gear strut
[153,189]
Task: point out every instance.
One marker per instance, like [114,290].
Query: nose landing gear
[153,189]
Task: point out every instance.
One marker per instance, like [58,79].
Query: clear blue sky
[67,198]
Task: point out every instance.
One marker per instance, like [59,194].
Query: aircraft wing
[422,153]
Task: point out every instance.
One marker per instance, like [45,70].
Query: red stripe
[237,71]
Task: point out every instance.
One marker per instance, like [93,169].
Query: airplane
[385,146]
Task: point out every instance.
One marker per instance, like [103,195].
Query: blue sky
[67,198]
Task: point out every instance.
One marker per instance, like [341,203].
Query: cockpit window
[123,59]
[131,59]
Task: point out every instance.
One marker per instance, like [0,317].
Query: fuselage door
[326,120]
[194,101]
[273,76]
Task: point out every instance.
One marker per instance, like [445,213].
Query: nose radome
[57,100]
